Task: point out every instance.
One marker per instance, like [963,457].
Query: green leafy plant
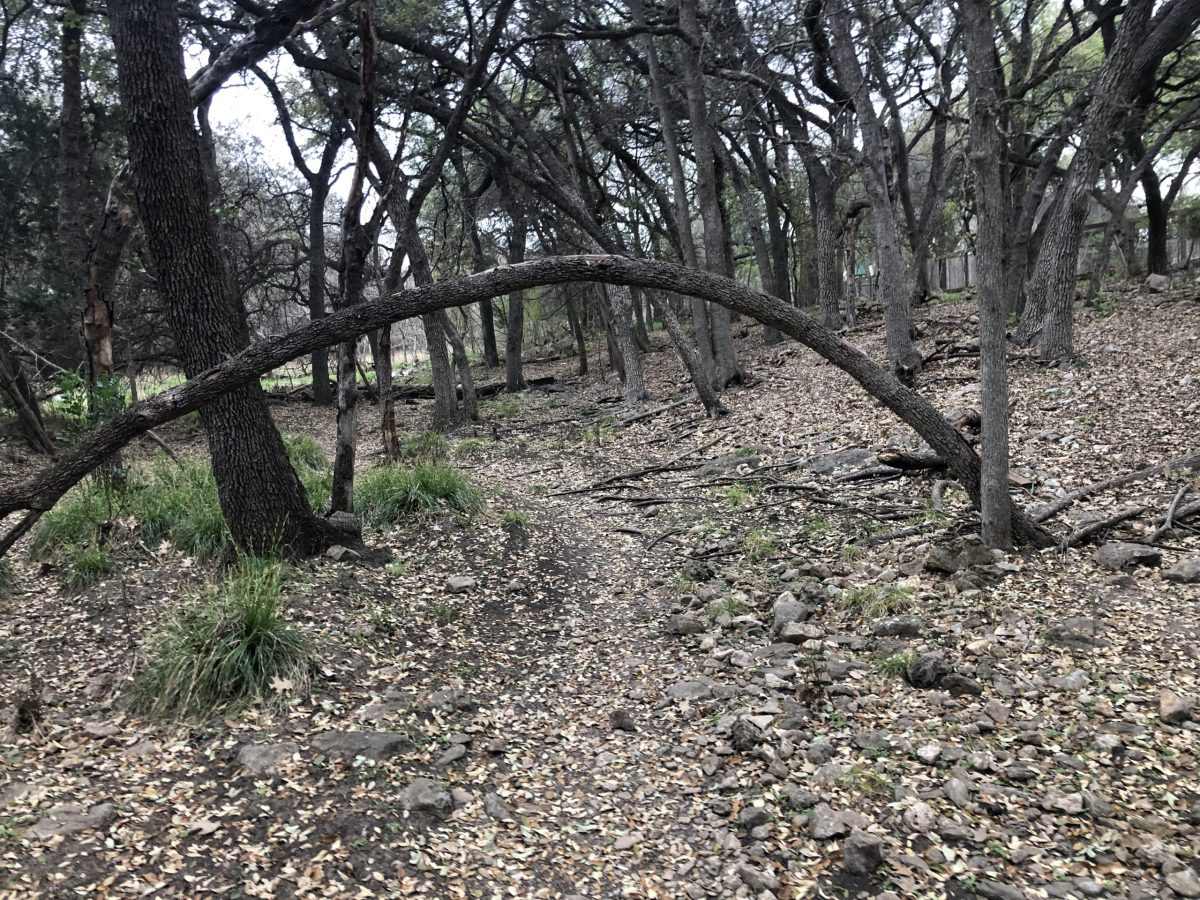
[897,664]
[230,647]
[388,495]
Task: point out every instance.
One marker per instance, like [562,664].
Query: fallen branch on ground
[1041,513]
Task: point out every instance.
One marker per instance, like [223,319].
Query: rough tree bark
[39,492]
[987,146]
[514,337]
[1048,315]
[725,366]
[356,246]
[261,498]
[871,162]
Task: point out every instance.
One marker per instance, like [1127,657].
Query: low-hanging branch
[40,491]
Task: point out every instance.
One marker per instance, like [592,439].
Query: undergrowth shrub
[428,447]
[230,647]
[874,601]
[312,467]
[87,564]
[73,520]
[387,495]
[168,502]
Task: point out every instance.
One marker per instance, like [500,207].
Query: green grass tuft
[388,495]
[312,467]
[760,544]
[428,447]
[228,648]
[875,602]
[514,518]
[730,605]
[168,502]
[469,447]
[86,565]
[72,521]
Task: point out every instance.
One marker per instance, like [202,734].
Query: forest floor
[577,745]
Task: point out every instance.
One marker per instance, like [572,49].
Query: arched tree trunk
[41,491]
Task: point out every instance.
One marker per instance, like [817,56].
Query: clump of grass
[86,564]
[730,605]
[875,602]
[514,518]
[228,648]
[428,447]
[851,552]
[896,665]
[818,528]
[388,495]
[737,495]
[72,521]
[312,467]
[505,407]
[397,567]
[445,612]
[180,505]
[469,447]
[760,544]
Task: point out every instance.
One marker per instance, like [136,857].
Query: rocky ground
[708,660]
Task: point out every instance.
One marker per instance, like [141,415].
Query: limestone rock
[426,796]
[1173,708]
[862,853]
[263,759]
[71,819]
[373,745]
[1119,555]
[1185,571]
[460,584]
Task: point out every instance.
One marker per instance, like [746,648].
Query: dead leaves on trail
[571,746]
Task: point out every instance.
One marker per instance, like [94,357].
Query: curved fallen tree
[40,492]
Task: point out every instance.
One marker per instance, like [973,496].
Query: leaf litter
[709,660]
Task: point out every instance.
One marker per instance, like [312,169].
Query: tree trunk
[577,331]
[514,336]
[724,359]
[691,362]
[470,403]
[1048,317]
[261,498]
[318,193]
[1158,260]
[356,248]
[872,161]
[829,273]
[987,147]
[487,327]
